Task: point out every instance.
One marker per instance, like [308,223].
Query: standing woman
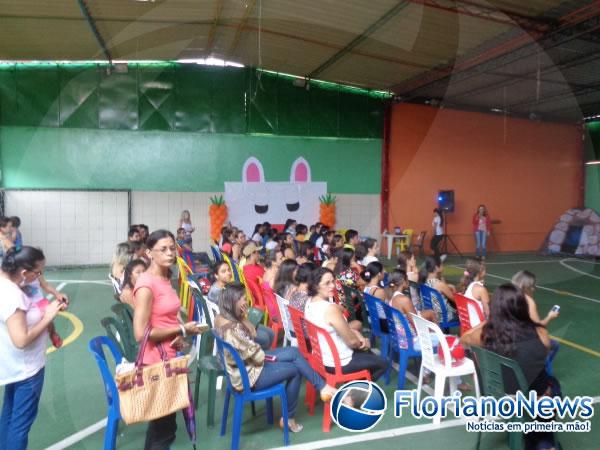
[157,306]
[23,342]
[438,231]
[481,228]
[185,222]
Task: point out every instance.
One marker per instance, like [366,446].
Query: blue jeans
[21,400]
[480,238]
[290,367]
[264,337]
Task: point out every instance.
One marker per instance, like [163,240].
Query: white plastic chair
[288,327]
[431,361]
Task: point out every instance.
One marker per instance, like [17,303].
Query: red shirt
[165,307]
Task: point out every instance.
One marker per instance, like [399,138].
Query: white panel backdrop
[71,227]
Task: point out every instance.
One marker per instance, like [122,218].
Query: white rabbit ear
[300,172]
[253,172]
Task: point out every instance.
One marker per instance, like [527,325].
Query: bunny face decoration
[255,200]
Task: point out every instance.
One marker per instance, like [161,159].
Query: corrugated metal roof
[376,43]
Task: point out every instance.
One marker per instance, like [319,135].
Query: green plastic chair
[207,362]
[492,384]
[115,332]
[124,316]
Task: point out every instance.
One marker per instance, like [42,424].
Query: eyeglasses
[165,250]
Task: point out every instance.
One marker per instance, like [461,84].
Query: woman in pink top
[481,227]
[157,306]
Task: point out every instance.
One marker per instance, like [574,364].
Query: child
[185,222]
[182,240]
[34,292]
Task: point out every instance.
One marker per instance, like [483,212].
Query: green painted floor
[73,396]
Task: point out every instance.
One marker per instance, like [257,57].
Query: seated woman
[300,296]
[372,247]
[408,263]
[372,276]
[130,276]
[351,345]
[284,282]
[121,257]
[431,275]
[399,298]
[509,331]
[262,335]
[471,285]
[289,366]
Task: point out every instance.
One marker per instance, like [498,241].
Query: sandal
[297,428]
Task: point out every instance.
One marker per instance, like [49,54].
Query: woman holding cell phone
[265,369]
[157,306]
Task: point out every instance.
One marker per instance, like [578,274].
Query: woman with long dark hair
[23,343]
[284,281]
[288,365]
[157,306]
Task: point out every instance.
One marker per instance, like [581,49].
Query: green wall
[166,161]
[171,127]
[176,97]
[592,173]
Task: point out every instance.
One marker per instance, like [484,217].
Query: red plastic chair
[332,379]
[465,306]
[297,318]
[270,302]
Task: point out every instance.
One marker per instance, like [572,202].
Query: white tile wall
[78,227]
[71,227]
[360,212]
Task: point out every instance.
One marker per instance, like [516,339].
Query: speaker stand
[446,239]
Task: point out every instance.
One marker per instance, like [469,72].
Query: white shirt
[315,312]
[437,223]
[473,316]
[19,364]
[368,259]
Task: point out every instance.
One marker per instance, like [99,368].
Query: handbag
[153,391]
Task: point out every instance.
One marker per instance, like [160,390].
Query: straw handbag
[149,392]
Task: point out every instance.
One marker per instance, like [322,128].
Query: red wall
[526,173]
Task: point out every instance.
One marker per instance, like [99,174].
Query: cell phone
[555,308]
[270,358]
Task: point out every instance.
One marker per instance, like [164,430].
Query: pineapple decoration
[218,215]
[327,210]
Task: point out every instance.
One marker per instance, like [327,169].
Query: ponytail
[472,269]
[24,258]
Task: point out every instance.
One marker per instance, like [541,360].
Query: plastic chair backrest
[424,330]
[286,320]
[114,330]
[298,321]
[464,307]
[401,340]
[318,337]
[430,295]
[256,292]
[375,308]
[214,248]
[95,346]
[223,347]
[115,284]
[270,302]
[490,370]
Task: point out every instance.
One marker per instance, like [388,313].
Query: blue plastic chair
[95,346]
[375,309]
[428,295]
[216,253]
[247,395]
[402,345]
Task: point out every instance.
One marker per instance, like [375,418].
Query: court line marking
[563,262]
[103,282]
[77,330]
[79,436]
[500,263]
[378,435]
[488,274]
[577,346]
